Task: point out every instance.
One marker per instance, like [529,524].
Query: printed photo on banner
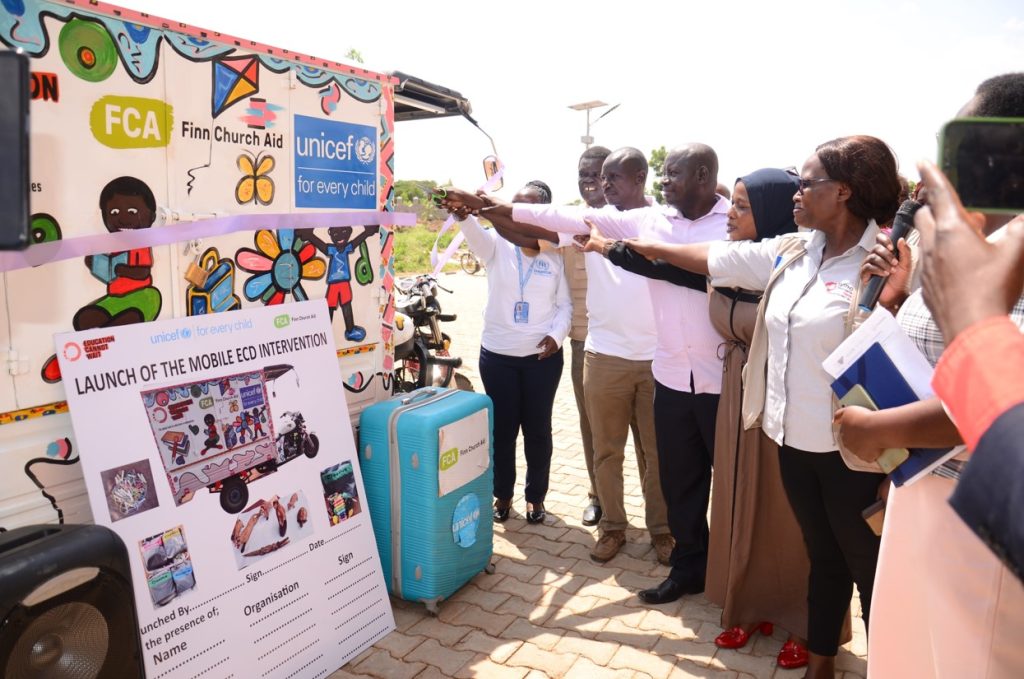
[221,433]
[129,489]
[168,565]
[340,492]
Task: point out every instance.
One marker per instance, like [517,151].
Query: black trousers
[523,391]
[684,426]
[827,499]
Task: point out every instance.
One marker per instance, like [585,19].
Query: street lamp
[586,106]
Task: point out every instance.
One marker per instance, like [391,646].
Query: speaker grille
[69,641]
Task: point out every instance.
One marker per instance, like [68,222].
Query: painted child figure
[339,273]
[257,426]
[212,436]
[126,204]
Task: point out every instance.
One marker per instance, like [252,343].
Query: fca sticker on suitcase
[427,466]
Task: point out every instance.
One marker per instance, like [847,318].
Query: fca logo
[282,321]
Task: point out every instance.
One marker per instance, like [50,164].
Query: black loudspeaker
[14,177]
[66,605]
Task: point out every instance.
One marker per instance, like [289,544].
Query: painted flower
[280,263]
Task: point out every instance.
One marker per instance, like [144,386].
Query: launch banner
[219,448]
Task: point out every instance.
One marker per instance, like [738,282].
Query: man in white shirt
[589,182]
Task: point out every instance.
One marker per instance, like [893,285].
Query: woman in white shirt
[847,187]
[528,315]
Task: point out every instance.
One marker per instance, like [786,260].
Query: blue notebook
[887,387]
[879,376]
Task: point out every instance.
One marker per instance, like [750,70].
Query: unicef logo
[365,150]
[466,520]
[186,333]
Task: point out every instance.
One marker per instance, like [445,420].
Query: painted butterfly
[255,185]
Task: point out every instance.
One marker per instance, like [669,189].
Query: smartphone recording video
[984,160]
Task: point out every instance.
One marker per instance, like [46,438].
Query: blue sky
[762,82]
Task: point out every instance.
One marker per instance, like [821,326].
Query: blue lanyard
[523,281]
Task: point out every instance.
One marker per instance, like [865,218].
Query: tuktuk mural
[141,123]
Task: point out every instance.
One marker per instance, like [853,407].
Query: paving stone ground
[548,610]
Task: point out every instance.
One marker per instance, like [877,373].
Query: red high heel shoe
[737,637]
[792,656]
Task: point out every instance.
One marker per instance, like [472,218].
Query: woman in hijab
[757,561]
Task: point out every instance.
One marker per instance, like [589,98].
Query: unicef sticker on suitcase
[464,452]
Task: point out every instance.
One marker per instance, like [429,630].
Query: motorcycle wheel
[233,495]
[413,370]
[469,262]
[314,448]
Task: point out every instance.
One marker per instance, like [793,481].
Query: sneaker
[608,546]
[663,546]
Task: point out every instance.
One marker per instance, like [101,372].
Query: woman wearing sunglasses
[810,283]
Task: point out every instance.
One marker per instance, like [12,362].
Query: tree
[354,55]
[414,196]
[407,190]
[657,165]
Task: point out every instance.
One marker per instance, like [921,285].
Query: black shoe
[501,511]
[535,512]
[668,591]
[592,514]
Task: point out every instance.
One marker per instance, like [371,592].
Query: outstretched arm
[630,260]
[462,203]
[690,256]
[619,254]
[310,237]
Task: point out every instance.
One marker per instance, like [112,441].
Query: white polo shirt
[620,319]
[687,343]
[545,290]
[805,318]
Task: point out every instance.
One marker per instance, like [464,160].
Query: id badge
[521,312]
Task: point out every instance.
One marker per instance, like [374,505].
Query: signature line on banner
[350,586]
[355,598]
[344,573]
[281,627]
[273,613]
[188,660]
[227,591]
[339,535]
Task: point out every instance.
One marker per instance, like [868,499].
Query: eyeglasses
[808,183]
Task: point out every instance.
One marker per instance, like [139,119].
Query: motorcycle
[422,355]
[293,439]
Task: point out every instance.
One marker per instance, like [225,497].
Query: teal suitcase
[427,465]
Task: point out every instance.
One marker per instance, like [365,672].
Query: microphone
[900,225]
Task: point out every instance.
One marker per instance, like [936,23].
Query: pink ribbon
[440,260]
[55,251]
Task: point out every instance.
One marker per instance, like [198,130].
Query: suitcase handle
[420,394]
